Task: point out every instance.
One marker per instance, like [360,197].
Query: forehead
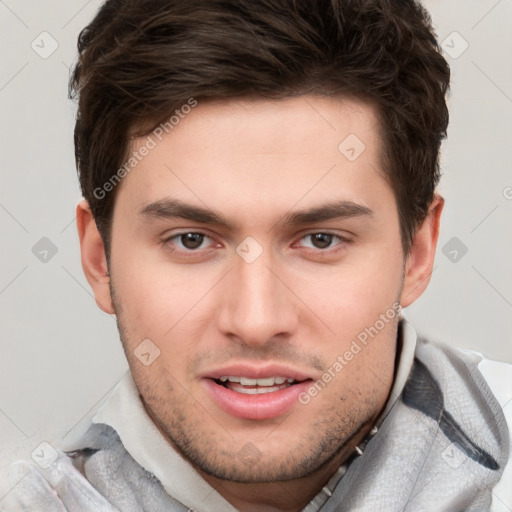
[238,156]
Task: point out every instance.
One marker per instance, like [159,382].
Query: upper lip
[252,371]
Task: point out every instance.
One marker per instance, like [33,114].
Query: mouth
[254,393]
[249,386]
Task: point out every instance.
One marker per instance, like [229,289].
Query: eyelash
[329,250]
[186,252]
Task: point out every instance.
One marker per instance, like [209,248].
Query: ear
[420,261]
[94,260]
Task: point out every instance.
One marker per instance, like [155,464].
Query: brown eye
[191,240]
[321,240]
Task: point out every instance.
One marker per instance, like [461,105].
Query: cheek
[158,302]
[362,357]
[149,290]
[356,295]
[358,303]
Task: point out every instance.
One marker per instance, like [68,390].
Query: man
[259,205]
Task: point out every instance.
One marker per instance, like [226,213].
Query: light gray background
[60,355]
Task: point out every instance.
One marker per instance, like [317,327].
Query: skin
[299,303]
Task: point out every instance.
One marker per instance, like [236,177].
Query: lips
[256,393]
[250,371]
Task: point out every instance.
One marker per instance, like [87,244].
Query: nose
[256,304]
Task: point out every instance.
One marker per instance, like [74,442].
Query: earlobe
[420,261]
[94,261]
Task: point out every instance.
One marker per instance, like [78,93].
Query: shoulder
[97,473]
[478,392]
[498,376]
[48,480]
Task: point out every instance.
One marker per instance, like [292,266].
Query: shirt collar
[406,348]
[125,413]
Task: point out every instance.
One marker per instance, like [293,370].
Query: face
[254,251]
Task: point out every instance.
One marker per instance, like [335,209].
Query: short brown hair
[140,60]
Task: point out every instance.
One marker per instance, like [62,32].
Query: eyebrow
[175,209]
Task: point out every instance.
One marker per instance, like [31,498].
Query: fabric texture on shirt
[441,446]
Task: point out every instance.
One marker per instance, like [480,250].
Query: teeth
[250,382]
[257,391]
[244,381]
